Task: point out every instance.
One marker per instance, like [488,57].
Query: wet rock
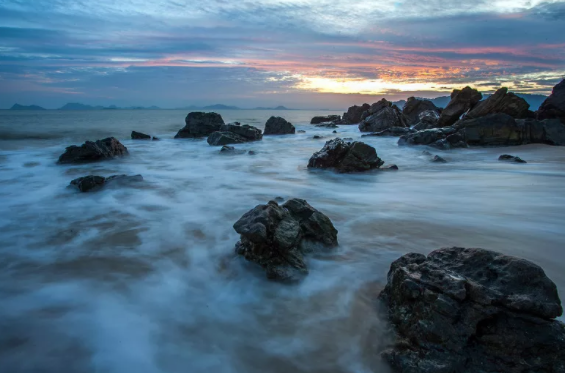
[548,131]
[92,183]
[387,117]
[393,131]
[501,101]
[334,132]
[301,131]
[252,152]
[391,167]
[461,102]
[139,136]
[200,124]
[472,310]
[230,150]
[493,130]
[426,137]
[234,133]
[278,126]
[316,137]
[277,237]
[426,120]
[354,113]
[93,151]
[554,105]
[327,125]
[511,158]
[438,159]
[325,119]
[346,157]
[415,107]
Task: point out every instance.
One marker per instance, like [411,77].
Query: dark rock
[426,137]
[461,101]
[346,157]
[508,157]
[334,132]
[317,137]
[139,136]
[472,310]
[438,159]
[91,183]
[426,120]
[325,119]
[224,138]
[327,125]
[252,152]
[392,167]
[414,108]
[279,199]
[554,105]
[155,138]
[234,133]
[354,113]
[90,151]
[278,126]
[277,237]
[393,131]
[493,130]
[387,117]
[200,124]
[548,131]
[230,150]
[301,131]
[501,102]
[348,139]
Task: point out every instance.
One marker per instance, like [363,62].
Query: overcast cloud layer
[298,53]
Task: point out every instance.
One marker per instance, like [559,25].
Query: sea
[144,278]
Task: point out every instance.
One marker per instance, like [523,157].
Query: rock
[278,126]
[279,199]
[472,310]
[393,131]
[334,132]
[230,150]
[548,131]
[492,130]
[508,157]
[277,237]
[200,124]
[301,131]
[91,183]
[461,101]
[414,107]
[391,167]
[426,137]
[139,136]
[317,137]
[90,151]
[501,102]
[438,159]
[426,120]
[327,125]
[325,119]
[224,138]
[346,157]
[252,152]
[234,133]
[387,117]
[554,105]
[354,113]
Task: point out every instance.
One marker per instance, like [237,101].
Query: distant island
[228,107]
[26,107]
[79,106]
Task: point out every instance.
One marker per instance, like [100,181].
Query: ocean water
[144,279]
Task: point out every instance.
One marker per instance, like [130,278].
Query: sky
[297,53]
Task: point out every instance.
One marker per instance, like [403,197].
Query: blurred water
[144,279]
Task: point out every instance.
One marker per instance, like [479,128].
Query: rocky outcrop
[278,126]
[93,151]
[92,183]
[200,124]
[426,120]
[384,118]
[139,136]
[346,157]
[461,102]
[354,114]
[277,237]
[554,105]
[414,107]
[234,133]
[392,131]
[325,119]
[501,101]
[511,158]
[472,310]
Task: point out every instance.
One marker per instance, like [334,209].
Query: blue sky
[298,53]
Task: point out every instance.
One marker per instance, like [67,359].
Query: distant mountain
[227,107]
[26,107]
[78,106]
[272,108]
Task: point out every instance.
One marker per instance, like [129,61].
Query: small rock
[301,131]
[334,132]
[508,157]
[327,125]
[139,136]
[278,126]
[251,152]
[200,124]
[90,151]
[318,137]
[346,156]
[230,150]
[438,159]
[392,167]
[92,183]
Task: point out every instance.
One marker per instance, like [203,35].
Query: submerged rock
[199,124]
[277,237]
[461,102]
[501,101]
[354,114]
[139,136]
[325,119]
[415,107]
[508,157]
[472,310]
[278,126]
[438,159]
[554,105]
[93,151]
[234,133]
[92,183]
[346,156]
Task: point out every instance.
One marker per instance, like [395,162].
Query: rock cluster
[91,183]
[461,102]
[381,116]
[472,310]
[278,126]
[93,151]
[501,102]
[200,124]
[234,133]
[415,107]
[277,237]
[346,157]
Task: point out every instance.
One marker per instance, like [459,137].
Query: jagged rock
[393,131]
[278,126]
[438,159]
[426,120]
[90,151]
[472,310]
[461,101]
[385,118]
[501,102]
[354,113]
[508,157]
[554,105]
[346,157]
[139,136]
[91,183]
[234,133]
[325,119]
[414,108]
[200,124]
[277,237]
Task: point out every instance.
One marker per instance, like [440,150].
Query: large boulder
[414,107]
[501,101]
[92,183]
[346,157]
[461,102]
[354,114]
[93,151]
[325,119]
[554,105]
[234,133]
[278,126]
[548,131]
[385,118]
[200,124]
[472,310]
[277,237]
[493,130]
